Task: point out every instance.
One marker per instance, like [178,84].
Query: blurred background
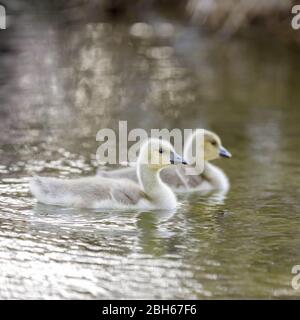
[69,68]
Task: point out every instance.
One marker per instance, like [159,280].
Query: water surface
[62,83]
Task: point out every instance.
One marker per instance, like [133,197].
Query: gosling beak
[176,159]
[224,153]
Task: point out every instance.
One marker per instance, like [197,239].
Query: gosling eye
[160,150]
[214,143]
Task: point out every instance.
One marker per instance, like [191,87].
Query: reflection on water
[67,82]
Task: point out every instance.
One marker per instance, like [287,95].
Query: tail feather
[40,189]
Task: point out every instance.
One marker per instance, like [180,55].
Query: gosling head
[158,154]
[213,148]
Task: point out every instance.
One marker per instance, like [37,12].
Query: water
[62,83]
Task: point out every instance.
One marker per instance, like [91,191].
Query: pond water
[61,83]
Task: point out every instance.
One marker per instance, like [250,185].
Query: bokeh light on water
[61,81]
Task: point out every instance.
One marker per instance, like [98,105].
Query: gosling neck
[149,179]
[192,161]
[188,150]
[159,193]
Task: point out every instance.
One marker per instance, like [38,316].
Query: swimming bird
[107,193]
[211,178]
